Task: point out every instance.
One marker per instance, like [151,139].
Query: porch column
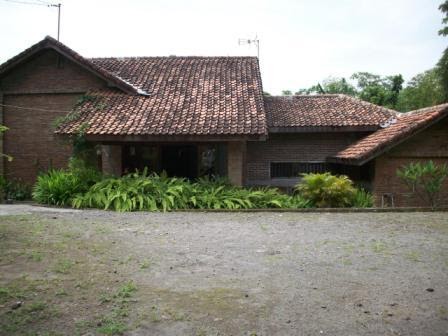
[111,159]
[235,162]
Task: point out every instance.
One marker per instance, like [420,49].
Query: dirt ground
[67,272]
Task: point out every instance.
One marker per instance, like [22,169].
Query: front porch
[181,159]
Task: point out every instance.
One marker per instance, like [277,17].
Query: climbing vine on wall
[82,149]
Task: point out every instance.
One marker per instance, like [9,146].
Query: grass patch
[379,247]
[127,290]
[414,256]
[35,256]
[114,323]
[63,266]
[145,264]
[110,326]
[27,317]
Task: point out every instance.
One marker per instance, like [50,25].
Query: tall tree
[378,90]
[442,65]
[423,90]
[370,87]
[331,85]
[444,9]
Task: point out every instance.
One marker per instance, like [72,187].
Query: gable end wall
[47,81]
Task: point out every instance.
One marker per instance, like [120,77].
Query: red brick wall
[48,72]
[431,144]
[47,81]
[292,148]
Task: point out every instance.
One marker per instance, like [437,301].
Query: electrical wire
[44,2]
[33,108]
[40,3]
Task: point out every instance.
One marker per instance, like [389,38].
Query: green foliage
[135,192]
[362,199]
[59,187]
[126,290]
[331,86]
[444,9]
[56,187]
[2,130]
[442,71]
[425,180]
[423,90]
[140,191]
[82,187]
[14,189]
[326,190]
[286,92]
[110,326]
[383,91]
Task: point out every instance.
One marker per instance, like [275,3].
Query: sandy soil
[66,272]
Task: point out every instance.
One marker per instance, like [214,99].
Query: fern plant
[362,199]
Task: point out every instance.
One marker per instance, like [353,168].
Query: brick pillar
[235,162]
[111,159]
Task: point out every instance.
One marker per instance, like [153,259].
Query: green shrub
[2,188]
[362,199]
[140,191]
[59,187]
[299,202]
[326,190]
[135,192]
[14,189]
[425,180]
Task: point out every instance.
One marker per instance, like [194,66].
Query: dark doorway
[180,160]
[139,157]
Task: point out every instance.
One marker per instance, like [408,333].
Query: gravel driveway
[226,273]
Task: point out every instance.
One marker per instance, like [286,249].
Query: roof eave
[322,129]
[381,149]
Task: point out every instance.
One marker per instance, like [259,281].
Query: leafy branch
[424,180]
[8,157]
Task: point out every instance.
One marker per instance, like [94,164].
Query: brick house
[193,116]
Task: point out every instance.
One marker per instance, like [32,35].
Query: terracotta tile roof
[186,95]
[325,111]
[50,43]
[406,125]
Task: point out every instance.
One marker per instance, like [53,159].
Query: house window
[294,169]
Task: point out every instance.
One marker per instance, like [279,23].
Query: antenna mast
[59,16]
[255,41]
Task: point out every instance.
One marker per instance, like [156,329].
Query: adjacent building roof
[329,111]
[184,96]
[406,125]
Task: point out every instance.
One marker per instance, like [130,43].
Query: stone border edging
[302,210]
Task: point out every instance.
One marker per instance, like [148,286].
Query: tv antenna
[255,41]
[59,16]
[40,3]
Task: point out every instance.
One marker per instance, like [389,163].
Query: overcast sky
[301,42]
